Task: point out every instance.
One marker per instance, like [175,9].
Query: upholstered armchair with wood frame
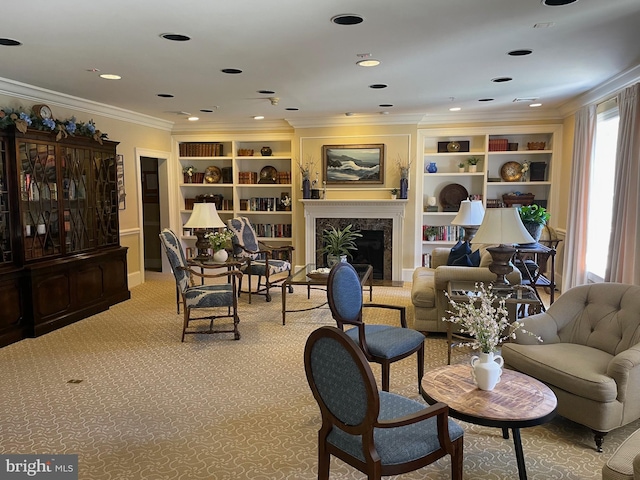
[381,343]
[377,432]
[197,297]
[589,355]
[273,263]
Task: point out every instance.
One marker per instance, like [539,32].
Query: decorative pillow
[459,250]
[468,260]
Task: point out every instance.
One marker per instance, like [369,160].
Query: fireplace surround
[377,215]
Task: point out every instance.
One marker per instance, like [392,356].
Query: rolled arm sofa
[430,284]
[589,355]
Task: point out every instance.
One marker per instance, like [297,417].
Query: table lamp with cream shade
[502,227]
[204,217]
[469,217]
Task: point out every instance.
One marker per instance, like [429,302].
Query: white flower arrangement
[189,170]
[219,240]
[485,319]
[525,167]
[285,201]
[305,169]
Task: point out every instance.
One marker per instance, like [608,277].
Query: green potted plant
[430,233]
[473,163]
[534,218]
[338,242]
[394,193]
[461,167]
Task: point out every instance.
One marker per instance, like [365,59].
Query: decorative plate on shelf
[511,172]
[268,175]
[212,174]
[451,196]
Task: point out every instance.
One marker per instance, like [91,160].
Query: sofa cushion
[422,289]
[571,367]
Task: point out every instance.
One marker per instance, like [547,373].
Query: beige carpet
[150,407]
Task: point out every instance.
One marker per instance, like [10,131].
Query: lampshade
[470,214]
[204,215]
[470,217]
[502,226]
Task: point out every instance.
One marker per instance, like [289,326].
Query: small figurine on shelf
[525,171]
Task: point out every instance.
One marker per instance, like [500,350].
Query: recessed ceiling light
[176,37]
[378,86]
[557,3]
[259,117]
[347,19]
[386,105]
[110,76]
[231,71]
[455,109]
[9,42]
[368,63]
[384,112]
[486,99]
[520,53]
[535,105]
[266,92]
[292,109]
[193,119]
[349,114]
[165,95]
[501,79]
[206,110]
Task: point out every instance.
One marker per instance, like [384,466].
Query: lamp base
[470,232]
[202,244]
[501,256]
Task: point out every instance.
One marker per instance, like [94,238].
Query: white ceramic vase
[486,369]
[220,256]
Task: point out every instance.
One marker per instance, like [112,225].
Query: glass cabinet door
[5,221]
[106,198]
[39,199]
[77,214]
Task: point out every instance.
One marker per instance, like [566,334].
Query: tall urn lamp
[204,218]
[469,217]
[502,226]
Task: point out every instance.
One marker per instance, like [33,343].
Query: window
[601,191]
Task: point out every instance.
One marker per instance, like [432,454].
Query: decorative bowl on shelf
[536,145]
[511,172]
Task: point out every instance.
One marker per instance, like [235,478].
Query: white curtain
[623,263]
[575,250]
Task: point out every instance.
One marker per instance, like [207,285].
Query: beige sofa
[430,284]
[589,355]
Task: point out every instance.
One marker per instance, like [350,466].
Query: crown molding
[603,91]
[35,94]
[249,126]
[355,120]
[482,117]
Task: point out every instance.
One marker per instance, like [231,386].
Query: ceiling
[434,54]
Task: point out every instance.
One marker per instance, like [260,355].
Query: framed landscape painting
[353,164]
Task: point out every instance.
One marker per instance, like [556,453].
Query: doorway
[151,213]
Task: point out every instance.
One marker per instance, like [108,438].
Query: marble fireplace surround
[387,215]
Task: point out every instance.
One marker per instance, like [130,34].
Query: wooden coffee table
[518,401]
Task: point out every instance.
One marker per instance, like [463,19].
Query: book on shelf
[498,144]
[273,230]
[247,177]
[445,233]
[283,177]
[200,149]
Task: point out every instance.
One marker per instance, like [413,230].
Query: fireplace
[371,252]
[385,216]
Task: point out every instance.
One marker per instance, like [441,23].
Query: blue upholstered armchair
[265,261]
[383,344]
[377,432]
[216,296]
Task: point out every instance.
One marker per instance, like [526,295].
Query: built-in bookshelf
[449,150]
[241,180]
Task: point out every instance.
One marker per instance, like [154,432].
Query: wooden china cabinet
[60,257]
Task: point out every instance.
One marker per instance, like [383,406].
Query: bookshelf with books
[243,178]
[449,150]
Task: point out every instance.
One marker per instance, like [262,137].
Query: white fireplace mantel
[393,209]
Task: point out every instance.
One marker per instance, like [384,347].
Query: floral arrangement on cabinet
[484,318]
[22,120]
